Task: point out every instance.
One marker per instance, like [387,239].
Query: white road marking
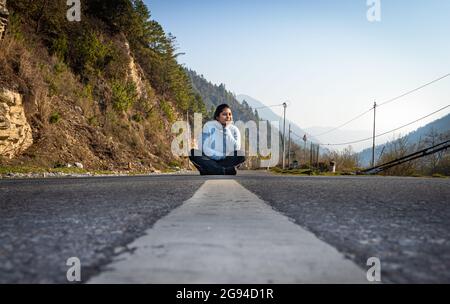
[226,234]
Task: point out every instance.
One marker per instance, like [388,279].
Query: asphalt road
[44,222]
[405,222]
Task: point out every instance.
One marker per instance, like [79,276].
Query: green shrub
[438,175]
[14,27]
[59,68]
[91,54]
[167,110]
[52,89]
[123,95]
[87,92]
[60,80]
[174,163]
[93,121]
[137,117]
[60,47]
[54,118]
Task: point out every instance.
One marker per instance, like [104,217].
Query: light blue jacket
[219,141]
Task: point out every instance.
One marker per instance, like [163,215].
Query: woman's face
[225,117]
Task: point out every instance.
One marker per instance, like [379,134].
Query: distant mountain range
[441,126]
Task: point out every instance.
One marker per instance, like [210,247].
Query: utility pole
[289,148]
[284,135]
[189,139]
[374,125]
[318,153]
[284,129]
[305,139]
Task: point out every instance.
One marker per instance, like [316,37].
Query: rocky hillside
[103,92]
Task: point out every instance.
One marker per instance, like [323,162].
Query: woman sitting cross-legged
[220,142]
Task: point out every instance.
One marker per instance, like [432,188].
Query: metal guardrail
[428,151]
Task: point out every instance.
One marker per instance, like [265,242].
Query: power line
[300,137]
[296,134]
[412,91]
[344,124]
[384,103]
[277,105]
[361,140]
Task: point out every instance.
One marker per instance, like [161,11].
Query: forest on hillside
[103,91]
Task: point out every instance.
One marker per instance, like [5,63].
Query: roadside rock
[3,18]
[15,132]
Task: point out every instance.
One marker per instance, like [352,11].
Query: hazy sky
[323,56]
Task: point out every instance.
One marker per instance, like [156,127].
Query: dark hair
[219,110]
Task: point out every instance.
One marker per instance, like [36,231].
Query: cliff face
[3,18]
[135,73]
[15,132]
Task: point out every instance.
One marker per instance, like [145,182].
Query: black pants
[208,166]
